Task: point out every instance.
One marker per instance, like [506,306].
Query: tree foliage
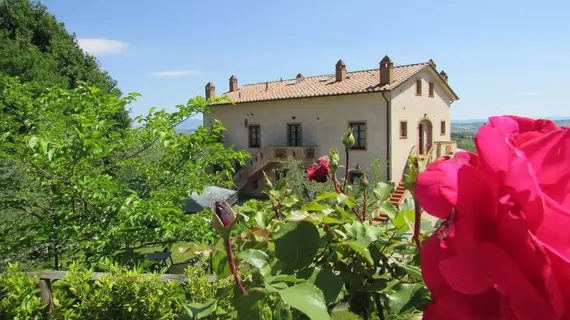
[35,47]
[89,190]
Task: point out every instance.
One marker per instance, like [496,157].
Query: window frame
[403,135]
[357,137]
[418,87]
[442,127]
[299,137]
[431,89]
[250,136]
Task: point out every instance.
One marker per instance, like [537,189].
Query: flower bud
[268,182]
[334,160]
[363,184]
[348,139]
[223,216]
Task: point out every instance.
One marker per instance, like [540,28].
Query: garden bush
[121,294]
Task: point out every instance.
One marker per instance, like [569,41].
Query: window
[254,136]
[359,132]
[403,129]
[431,89]
[442,127]
[355,175]
[294,135]
[418,87]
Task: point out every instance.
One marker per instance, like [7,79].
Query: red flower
[223,216]
[503,251]
[318,171]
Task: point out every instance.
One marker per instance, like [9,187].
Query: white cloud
[531,93]
[174,73]
[101,46]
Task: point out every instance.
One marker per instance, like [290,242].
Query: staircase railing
[268,155]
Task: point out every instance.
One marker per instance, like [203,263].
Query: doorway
[424,136]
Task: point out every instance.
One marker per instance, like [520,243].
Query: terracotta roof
[324,85]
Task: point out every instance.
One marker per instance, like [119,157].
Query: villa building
[391,109]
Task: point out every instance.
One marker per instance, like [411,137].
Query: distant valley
[472,126]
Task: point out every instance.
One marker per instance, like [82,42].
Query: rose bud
[348,139]
[223,216]
[363,184]
[334,158]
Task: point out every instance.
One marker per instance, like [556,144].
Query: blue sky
[502,57]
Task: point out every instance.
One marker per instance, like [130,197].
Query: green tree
[90,190]
[35,47]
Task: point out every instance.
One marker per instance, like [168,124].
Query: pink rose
[503,251]
[318,171]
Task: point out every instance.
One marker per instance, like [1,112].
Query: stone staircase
[269,157]
[438,149]
[398,195]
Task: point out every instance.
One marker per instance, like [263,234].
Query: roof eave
[303,97]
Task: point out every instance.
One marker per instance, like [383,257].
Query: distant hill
[189,125]
[472,126]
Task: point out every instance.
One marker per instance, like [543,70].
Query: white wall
[324,120]
[407,106]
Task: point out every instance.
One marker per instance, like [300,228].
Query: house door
[424,136]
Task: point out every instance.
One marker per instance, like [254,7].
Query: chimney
[386,71]
[340,71]
[433,63]
[210,90]
[300,76]
[233,83]
[266,86]
[444,75]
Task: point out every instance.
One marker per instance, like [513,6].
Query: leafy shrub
[18,295]
[346,253]
[123,294]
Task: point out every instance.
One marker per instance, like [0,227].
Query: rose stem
[364,203]
[347,152]
[228,245]
[417,223]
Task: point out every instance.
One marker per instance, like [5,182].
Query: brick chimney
[210,90]
[340,71]
[386,71]
[444,75]
[233,83]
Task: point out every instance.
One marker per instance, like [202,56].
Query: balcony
[269,157]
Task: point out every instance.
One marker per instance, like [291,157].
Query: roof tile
[323,85]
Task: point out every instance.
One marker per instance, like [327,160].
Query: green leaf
[256,258]
[200,310]
[296,244]
[289,201]
[283,312]
[313,206]
[326,195]
[282,187]
[383,191]
[401,295]
[33,142]
[361,246]
[342,312]
[404,220]
[308,299]
[330,284]
[411,270]
[247,305]
[389,209]
[220,264]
